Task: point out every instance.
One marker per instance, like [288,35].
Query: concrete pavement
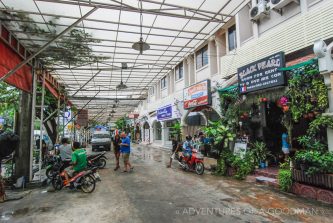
[154,193]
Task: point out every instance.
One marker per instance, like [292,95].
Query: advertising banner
[164,113]
[197,95]
[262,74]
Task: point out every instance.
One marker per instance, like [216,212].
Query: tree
[121,123]
[9,98]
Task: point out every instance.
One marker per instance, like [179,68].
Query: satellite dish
[320,48]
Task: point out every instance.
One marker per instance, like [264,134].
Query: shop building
[250,36]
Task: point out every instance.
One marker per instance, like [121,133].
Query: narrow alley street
[154,193]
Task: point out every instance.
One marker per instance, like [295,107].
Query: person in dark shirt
[175,149]
[116,150]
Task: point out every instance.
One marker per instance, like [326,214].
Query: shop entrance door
[274,128]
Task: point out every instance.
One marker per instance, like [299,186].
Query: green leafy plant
[121,123]
[285,177]
[310,143]
[222,134]
[307,91]
[243,166]
[314,162]
[260,152]
[321,122]
[176,130]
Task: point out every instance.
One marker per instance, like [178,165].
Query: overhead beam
[133,9]
[99,29]
[20,65]
[99,21]
[106,99]
[102,68]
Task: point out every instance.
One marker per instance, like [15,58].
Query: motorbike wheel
[88,184]
[49,173]
[101,163]
[199,168]
[57,183]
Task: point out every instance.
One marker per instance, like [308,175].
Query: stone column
[163,133]
[22,153]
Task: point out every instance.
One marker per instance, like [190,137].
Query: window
[202,57]
[163,83]
[152,91]
[179,71]
[232,40]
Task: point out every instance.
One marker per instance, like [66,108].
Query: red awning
[51,89]
[22,79]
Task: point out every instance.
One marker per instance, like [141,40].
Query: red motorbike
[84,181]
[195,163]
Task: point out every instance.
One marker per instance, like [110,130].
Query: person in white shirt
[65,149]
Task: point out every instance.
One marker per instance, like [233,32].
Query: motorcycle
[84,181]
[194,164]
[56,165]
[98,159]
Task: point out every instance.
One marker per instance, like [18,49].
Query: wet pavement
[154,193]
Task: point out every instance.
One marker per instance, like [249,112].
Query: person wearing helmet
[188,146]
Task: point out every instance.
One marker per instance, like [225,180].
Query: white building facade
[290,26]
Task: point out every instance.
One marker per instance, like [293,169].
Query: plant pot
[262,165]
[306,116]
[318,180]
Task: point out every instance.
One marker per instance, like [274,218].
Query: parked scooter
[98,159]
[56,165]
[194,164]
[84,181]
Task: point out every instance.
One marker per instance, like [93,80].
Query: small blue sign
[164,113]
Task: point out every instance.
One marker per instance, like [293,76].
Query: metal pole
[81,109]
[41,127]
[86,83]
[63,119]
[58,118]
[33,116]
[20,65]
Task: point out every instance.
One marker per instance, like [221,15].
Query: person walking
[125,149]
[116,150]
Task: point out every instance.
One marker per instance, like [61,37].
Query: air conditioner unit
[278,4]
[258,11]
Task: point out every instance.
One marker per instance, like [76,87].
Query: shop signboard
[164,113]
[262,74]
[82,117]
[133,115]
[197,95]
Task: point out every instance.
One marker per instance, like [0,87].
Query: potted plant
[260,153]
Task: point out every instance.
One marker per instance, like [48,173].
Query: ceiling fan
[141,45]
[122,85]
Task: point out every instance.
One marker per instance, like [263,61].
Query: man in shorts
[125,149]
[175,149]
[79,162]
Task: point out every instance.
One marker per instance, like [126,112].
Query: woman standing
[116,149]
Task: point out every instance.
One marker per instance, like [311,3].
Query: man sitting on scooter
[79,162]
[188,146]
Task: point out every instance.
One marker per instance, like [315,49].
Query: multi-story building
[258,30]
